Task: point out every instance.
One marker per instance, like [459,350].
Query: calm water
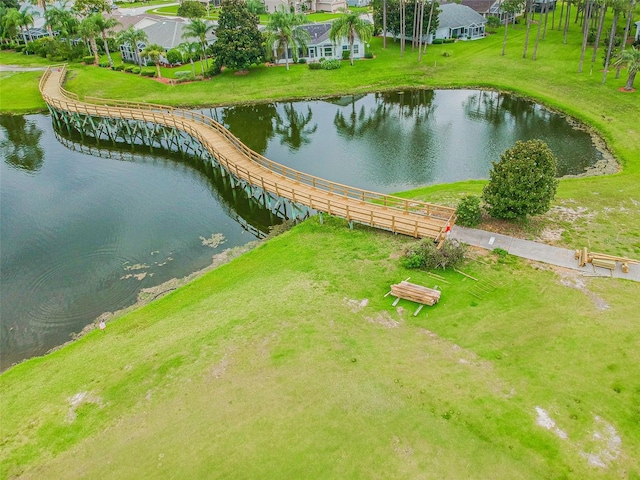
[389,142]
[82,232]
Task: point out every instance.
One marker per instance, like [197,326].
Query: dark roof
[453,15]
[480,6]
[319,32]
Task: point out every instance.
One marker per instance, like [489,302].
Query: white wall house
[306,5]
[320,46]
[459,21]
[638,31]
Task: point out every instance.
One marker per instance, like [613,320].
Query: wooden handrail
[409,217]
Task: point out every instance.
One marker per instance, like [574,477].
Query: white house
[320,46]
[638,31]
[331,6]
[459,21]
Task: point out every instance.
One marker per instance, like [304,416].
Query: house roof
[453,15]
[480,6]
[319,32]
[166,32]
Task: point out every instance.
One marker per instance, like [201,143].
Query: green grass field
[289,362]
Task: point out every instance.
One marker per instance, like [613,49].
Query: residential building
[306,5]
[459,21]
[321,46]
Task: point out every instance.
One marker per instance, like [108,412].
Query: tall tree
[133,38]
[510,8]
[529,14]
[384,23]
[585,31]
[10,23]
[199,29]
[535,47]
[89,31]
[432,8]
[105,26]
[155,52]
[350,25]
[618,6]
[62,21]
[26,19]
[630,58]
[192,50]
[629,13]
[284,33]
[43,5]
[239,42]
[602,5]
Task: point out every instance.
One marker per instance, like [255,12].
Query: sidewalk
[540,252]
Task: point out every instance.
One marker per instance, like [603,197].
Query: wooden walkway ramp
[398,215]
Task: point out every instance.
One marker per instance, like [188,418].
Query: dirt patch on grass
[606,445]
[575,280]
[383,319]
[356,305]
[79,399]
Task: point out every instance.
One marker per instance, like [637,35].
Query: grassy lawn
[216,381]
[275,366]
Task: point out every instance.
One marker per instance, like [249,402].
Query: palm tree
[89,30]
[199,29]
[27,16]
[104,26]
[62,21]
[283,32]
[349,25]
[618,6]
[43,4]
[10,23]
[133,37]
[192,50]
[155,53]
[629,58]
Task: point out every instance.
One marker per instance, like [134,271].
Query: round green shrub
[332,64]
[469,212]
[174,56]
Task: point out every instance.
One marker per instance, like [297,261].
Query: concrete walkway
[561,257]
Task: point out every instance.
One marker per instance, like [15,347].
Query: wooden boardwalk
[398,215]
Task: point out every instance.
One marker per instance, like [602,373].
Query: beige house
[306,5]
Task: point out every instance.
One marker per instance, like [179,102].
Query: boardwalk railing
[409,217]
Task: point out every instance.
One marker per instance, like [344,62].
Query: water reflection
[393,141]
[293,127]
[20,145]
[252,124]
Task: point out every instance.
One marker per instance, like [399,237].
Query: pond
[84,228]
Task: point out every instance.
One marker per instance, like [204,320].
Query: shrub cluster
[469,212]
[332,64]
[88,59]
[146,72]
[437,41]
[368,54]
[425,255]
[315,66]
[346,54]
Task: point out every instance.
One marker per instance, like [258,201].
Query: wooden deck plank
[408,217]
